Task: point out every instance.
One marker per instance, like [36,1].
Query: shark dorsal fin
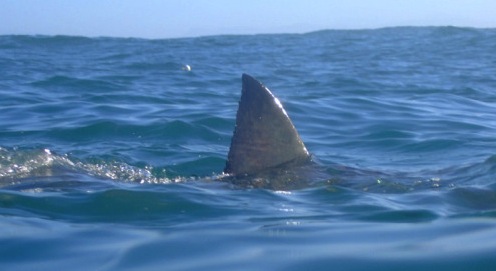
[264,136]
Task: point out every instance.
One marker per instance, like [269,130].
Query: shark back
[264,136]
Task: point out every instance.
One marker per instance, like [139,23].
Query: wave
[23,166]
[67,83]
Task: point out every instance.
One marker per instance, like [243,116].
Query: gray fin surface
[264,136]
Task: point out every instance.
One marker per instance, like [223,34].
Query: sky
[157,19]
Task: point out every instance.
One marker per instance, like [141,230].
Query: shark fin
[264,136]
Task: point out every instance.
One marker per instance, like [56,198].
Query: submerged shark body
[266,150]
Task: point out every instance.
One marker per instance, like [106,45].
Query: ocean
[112,152]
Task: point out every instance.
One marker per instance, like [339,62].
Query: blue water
[111,153]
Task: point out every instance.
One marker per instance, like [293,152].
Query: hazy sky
[188,18]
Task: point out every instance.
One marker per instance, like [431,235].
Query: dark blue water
[111,152]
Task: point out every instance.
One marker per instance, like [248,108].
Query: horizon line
[251,34]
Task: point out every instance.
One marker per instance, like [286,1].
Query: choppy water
[110,152]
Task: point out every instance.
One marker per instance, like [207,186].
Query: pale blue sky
[190,18]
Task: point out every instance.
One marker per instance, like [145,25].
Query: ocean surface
[112,151]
